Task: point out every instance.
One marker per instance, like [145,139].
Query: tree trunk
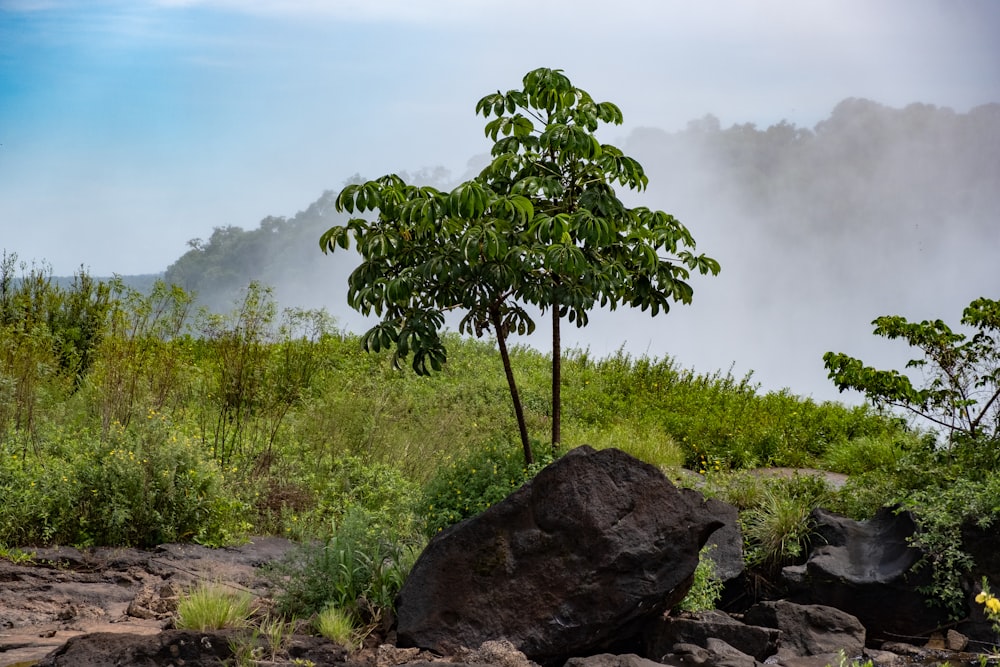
[556,380]
[512,384]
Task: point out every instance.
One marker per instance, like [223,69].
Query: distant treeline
[867,168]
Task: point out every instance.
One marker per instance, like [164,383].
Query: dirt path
[66,592]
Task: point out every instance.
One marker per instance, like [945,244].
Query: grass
[214,607]
[336,625]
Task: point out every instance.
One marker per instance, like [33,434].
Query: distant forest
[866,174]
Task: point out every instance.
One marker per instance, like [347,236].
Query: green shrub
[139,487]
[866,453]
[777,527]
[465,487]
[940,513]
[707,587]
[357,561]
[213,607]
[380,491]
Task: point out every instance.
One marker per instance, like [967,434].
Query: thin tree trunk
[522,427]
[556,380]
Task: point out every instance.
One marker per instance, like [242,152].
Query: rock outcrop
[571,564]
[865,568]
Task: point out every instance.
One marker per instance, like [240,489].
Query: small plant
[707,587]
[15,555]
[991,605]
[276,633]
[777,529]
[844,661]
[213,607]
[336,625]
[356,562]
[468,486]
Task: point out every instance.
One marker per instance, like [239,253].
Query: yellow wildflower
[993,604]
[981,598]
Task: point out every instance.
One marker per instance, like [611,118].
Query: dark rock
[611,660]
[809,629]
[866,569]
[727,541]
[570,564]
[717,653]
[663,634]
[171,647]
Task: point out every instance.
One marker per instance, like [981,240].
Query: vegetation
[213,607]
[706,591]
[209,427]
[540,226]
[952,483]
[962,374]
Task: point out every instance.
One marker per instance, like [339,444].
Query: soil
[65,592]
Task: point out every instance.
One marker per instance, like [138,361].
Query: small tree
[587,246]
[541,226]
[961,388]
[428,252]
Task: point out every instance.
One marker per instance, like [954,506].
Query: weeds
[707,587]
[336,625]
[214,607]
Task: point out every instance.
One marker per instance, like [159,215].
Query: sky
[130,127]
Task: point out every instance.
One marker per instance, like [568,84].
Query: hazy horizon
[128,128]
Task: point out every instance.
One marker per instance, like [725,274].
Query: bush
[214,607]
[357,562]
[707,587]
[139,487]
[466,487]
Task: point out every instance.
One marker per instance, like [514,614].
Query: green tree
[428,252]
[961,391]
[540,226]
[586,246]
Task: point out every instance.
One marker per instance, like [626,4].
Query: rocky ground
[64,592]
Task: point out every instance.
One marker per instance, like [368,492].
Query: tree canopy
[961,388]
[540,226]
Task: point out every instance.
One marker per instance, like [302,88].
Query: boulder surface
[571,564]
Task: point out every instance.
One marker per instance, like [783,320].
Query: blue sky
[129,127]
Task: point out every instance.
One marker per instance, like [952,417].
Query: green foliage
[357,562]
[776,526]
[941,511]
[214,607]
[139,487]
[706,591]
[541,226]
[962,393]
[467,486]
[336,625]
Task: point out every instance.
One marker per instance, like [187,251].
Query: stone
[716,653]
[612,660]
[571,564]
[663,634]
[809,629]
[171,647]
[865,568]
[726,542]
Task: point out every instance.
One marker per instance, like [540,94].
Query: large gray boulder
[571,564]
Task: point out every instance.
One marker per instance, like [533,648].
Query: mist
[873,211]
